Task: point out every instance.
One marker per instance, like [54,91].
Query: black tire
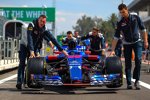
[34,66]
[113,65]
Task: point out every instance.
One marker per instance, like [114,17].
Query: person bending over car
[96,41]
[31,43]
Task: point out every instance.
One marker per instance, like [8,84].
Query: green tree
[84,25]
[108,27]
[98,22]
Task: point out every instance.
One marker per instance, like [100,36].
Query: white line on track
[140,82]
[14,76]
[8,78]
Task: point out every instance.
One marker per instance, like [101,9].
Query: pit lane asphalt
[9,92]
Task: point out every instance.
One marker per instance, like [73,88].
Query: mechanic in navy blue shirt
[77,36]
[68,38]
[129,26]
[70,41]
[31,44]
[96,41]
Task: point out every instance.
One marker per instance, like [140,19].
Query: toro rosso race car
[80,68]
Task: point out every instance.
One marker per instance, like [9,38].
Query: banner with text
[27,14]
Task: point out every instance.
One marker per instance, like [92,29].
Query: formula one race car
[78,69]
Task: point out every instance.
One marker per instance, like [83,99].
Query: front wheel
[35,66]
[113,65]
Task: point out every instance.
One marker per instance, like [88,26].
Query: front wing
[95,80]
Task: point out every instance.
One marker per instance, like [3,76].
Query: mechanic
[97,41]
[68,38]
[31,43]
[77,36]
[129,26]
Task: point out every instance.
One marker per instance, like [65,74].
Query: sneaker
[129,87]
[19,86]
[137,86]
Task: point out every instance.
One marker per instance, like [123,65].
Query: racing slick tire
[34,66]
[113,65]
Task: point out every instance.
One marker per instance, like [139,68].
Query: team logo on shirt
[30,28]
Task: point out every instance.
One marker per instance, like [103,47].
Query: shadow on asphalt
[8,70]
[63,90]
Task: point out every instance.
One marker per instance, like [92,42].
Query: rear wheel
[34,66]
[113,65]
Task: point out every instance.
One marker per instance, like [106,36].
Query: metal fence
[8,53]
